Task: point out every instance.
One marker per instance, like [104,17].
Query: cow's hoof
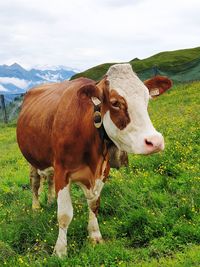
[60,251]
[36,206]
[96,240]
[50,201]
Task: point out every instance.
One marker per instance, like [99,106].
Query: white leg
[93,226]
[93,197]
[65,215]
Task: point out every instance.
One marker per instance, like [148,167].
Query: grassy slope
[149,213]
[171,61]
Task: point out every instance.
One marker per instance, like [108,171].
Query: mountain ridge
[15,79]
[169,63]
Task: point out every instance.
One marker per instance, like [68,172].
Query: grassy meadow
[149,213]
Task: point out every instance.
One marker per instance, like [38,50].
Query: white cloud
[118,3]
[81,34]
[2,88]
[23,84]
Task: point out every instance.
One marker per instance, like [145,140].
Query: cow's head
[158,85]
[126,118]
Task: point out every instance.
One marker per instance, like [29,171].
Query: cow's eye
[115,104]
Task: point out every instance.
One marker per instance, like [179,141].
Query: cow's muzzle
[154,143]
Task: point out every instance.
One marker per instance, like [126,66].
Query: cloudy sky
[84,33]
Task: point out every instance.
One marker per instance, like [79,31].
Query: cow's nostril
[148,143]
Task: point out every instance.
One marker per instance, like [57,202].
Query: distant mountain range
[15,79]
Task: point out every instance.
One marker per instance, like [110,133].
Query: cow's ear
[103,87]
[158,85]
[88,91]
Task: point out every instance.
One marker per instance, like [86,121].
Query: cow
[158,85]
[71,125]
[117,158]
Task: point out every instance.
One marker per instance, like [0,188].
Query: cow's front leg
[93,226]
[93,200]
[65,215]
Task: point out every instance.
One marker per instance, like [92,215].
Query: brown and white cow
[158,85]
[117,158]
[56,128]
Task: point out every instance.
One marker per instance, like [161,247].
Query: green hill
[180,65]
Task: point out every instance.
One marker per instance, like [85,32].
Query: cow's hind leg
[35,185]
[47,174]
[93,200]
[51,188]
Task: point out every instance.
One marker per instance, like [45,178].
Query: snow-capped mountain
[15,79]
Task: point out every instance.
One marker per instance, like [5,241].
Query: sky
[83,33]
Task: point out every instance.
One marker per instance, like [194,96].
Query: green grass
[149,214]
[169,60]
[180,65]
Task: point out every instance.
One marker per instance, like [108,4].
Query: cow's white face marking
[130,87]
